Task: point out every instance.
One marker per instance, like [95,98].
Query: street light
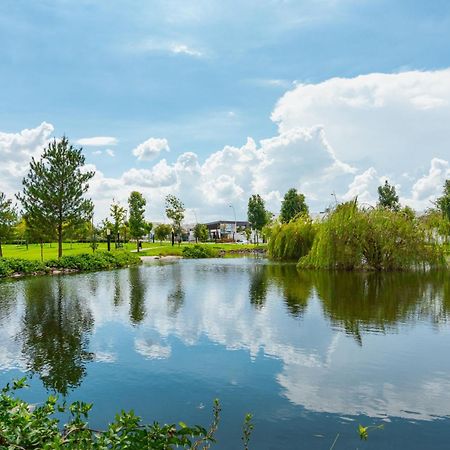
[108,237]
[235,230]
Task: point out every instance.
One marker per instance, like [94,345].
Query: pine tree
[292,205]
[443,202]
[387,197]
[55,187]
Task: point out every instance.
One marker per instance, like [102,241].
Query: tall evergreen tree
[136,207]
[8,218]
[292,205]
[387,197]
[443,203]
[257,214]
[55,187]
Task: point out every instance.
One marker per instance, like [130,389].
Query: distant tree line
[54,206]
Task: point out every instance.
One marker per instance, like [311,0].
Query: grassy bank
[212,249]
[149,249]
[85,262]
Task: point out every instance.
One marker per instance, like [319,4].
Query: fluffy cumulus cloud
[388,121]
[427,188]
[16,151]
[340,136]
[151,148]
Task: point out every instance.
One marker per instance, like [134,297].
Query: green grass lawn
[149,249]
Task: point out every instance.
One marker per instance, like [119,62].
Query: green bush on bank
[199,251]
[8,266]
[82,262]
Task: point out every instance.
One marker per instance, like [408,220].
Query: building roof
[217,223]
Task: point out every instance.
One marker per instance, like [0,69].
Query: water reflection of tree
[258,285]
[55,331]
[295,286]
[117,288]
[137,295]
[8,299]
[362,302]
[358,302]
[176,296]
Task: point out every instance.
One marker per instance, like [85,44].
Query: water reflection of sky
[166,339]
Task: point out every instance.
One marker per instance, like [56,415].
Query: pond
[310,354]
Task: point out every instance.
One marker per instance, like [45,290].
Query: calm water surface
[309,354]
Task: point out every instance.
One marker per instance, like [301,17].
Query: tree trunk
[42,251]
[1,250]
[137,242]
[60,240]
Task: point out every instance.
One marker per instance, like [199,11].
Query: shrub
[83,262]
[199,251]
[8,266]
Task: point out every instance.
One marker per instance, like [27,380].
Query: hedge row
[82,263]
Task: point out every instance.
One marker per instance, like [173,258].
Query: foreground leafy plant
[23,426]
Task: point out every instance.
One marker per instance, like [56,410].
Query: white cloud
[97,141]
[151,148]
[163,46]
[159,176]
[428,187]
[108,152]
[184,49]
[16,151]
[343,136]
[393,122]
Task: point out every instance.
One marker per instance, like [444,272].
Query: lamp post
[235,228]
[108,237]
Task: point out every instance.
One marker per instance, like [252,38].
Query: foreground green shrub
[290,241]
[352,238]
[23,426]
[199,251]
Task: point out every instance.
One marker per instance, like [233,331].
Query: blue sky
[201,74]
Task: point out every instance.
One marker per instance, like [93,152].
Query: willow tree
[8,218]
[55,187]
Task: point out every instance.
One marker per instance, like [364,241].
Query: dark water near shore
[309,354]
